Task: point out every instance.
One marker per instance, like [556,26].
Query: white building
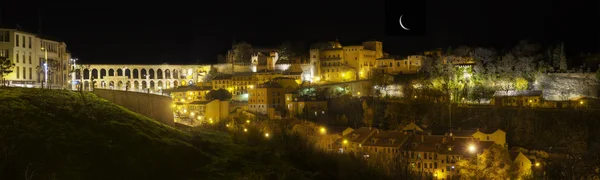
[28,52]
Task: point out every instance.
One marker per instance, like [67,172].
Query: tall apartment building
[28,52]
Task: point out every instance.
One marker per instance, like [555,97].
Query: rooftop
[269,84]
[518,93]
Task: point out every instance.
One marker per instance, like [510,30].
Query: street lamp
[45,66]
[323,130]
[472,148]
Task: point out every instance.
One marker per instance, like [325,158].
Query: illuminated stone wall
[566,86]
[154,106]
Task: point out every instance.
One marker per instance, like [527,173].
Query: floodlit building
[337,63]
[408,65]
[305,106]
[210,111]
[188,93]
[267,99]
[28,51]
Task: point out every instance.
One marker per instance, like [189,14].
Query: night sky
[183,34]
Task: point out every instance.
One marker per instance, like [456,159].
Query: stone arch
[102,73]
[151,73]
[159,84]
[175,74]
[152,87]
[102,84]
[78,74]
[86,85]
[136,85]
[175,84]
[128,73]
[119,72]
[86,74]
[167,84]
[143,74]
[167,74]
[144,85]
[95,73]
[120,85]
[136,74]
[190,83]
[111,72]
[159,74]
[183,83]
[111,84]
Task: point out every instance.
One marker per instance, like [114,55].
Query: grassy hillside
[53,134]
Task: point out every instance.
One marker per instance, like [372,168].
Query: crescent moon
[402,25]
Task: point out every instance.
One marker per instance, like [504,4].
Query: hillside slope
[53,134]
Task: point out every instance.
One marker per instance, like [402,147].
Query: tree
[242,52]
[221,59]
[286,52]
[5,68]
[562,58]
[341,120]
[220,94]
[368,114]
[559,60]
[493,163]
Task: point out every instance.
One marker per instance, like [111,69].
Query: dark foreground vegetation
[52,134]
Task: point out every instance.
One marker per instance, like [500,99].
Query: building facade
[337,63]
[266,98]
[29,52]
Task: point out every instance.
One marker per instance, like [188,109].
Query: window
[29,58]
[24,58]
[17,40]
[4,36]
[17,72]
[30,43]
[17,56]
[30,73]
[488,138]
[3,52]
[24,73]
[23,41]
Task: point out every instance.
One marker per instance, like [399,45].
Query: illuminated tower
[315,70]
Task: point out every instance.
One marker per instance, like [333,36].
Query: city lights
[472,148]
[537,164]
[345,141]
[245,130]
[322,130]
[267,135]
[248,121]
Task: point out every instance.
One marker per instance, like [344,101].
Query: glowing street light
[472,148]
[323,130]
[245,130]
[267,135]
[537,164]
[192,113]
[185,111]
[248,121]
[345,141]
